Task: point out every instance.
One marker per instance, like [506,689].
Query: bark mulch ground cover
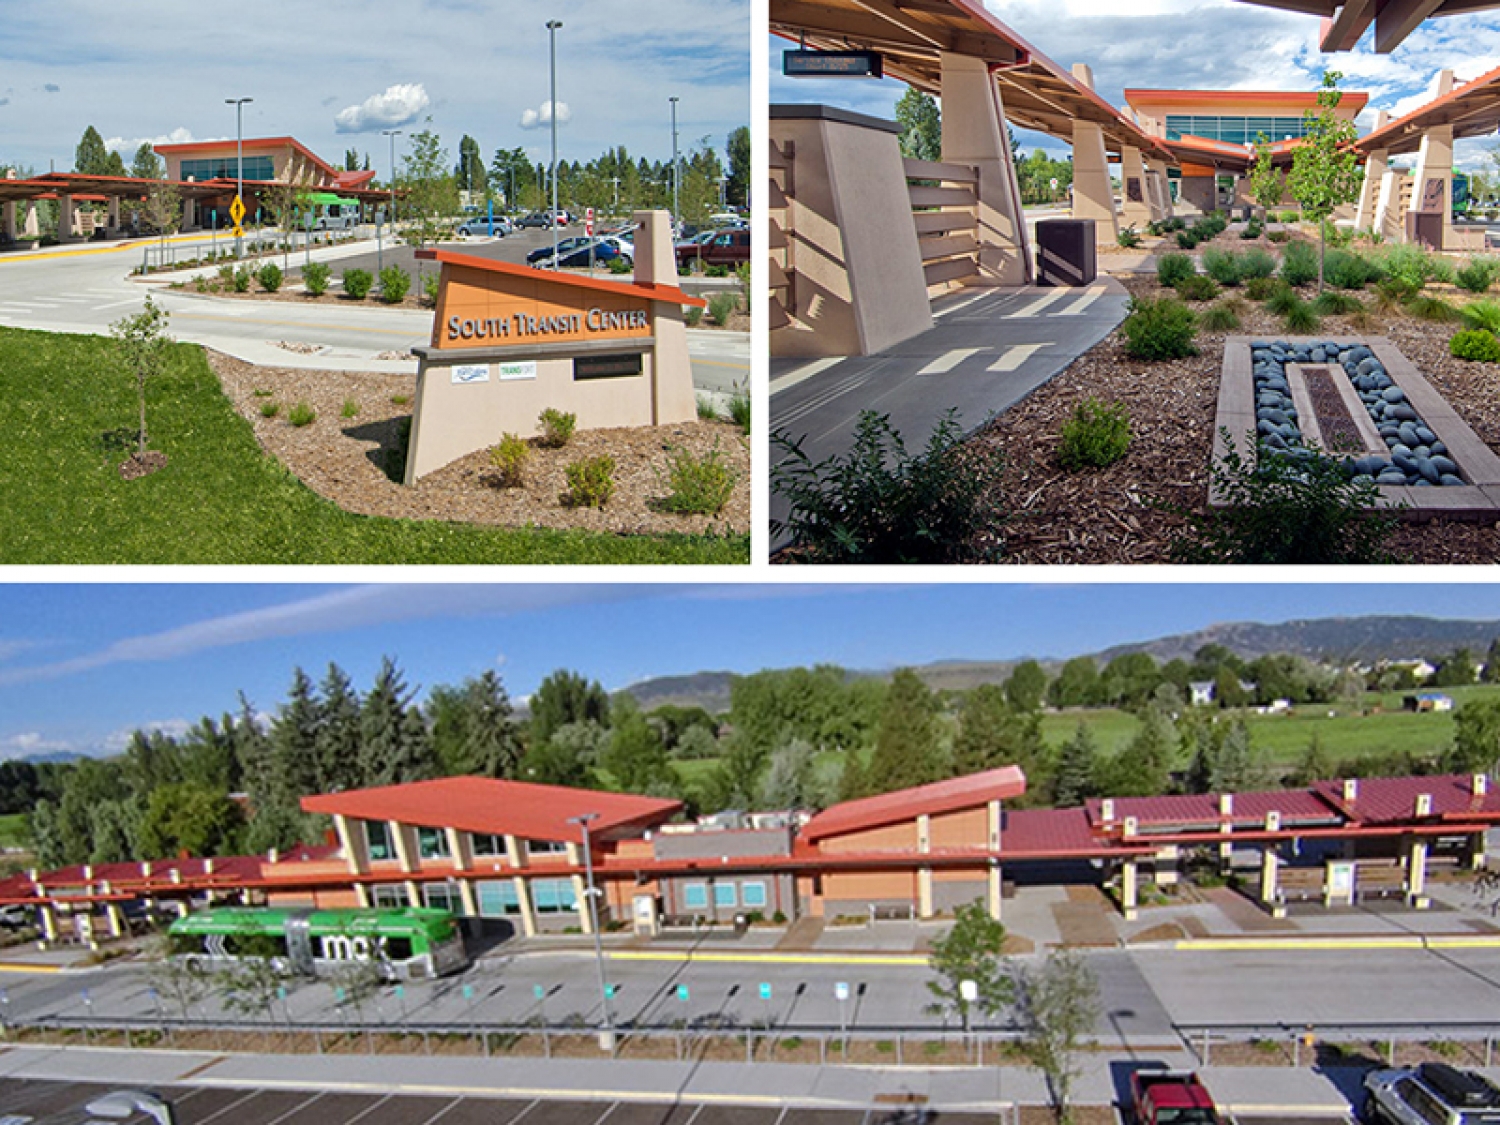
[352,454]
[1125,513]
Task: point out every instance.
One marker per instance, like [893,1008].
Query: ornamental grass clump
[698,485]
[1157,329]
[1224,266]
[1332,303]
[1220,317]
[1095,437]
[509,458]
[1197,288]
[1482,314]
[557,428]
[1300,319]
[1478,275]
[301,415]
[1173,268]
[1299,264]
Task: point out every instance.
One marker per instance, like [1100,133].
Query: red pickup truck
[1171,1097]
[727,248]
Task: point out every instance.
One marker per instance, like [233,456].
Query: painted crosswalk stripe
[948,361]
[803,374]
[1015,355]
[951,309]
[1037,306]
[1092,294]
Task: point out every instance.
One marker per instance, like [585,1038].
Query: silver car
[1430,1094]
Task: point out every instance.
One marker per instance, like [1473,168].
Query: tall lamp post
[393,134]
[552,26]
[675,225]
[607,1035]
[239,157]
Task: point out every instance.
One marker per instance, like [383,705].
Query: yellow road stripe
[1330,943]
[22,967]
[108,248]
[778,958]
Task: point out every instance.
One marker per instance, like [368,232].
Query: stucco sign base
[1479,495]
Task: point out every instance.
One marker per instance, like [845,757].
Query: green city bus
[405,942]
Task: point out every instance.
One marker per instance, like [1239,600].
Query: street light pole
[675,224]
[552,26]
[393,134]
[607,1036]
[239,154]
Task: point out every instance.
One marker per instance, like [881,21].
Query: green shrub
[400,400]
[1278,236]
[1197,288]
[1261,288]
[1299,263]
[1425,307]
[1476,344]
[591,482]
[721,306]
[1172,268]
[394,282]
[877,503]
[716,271]
[240,279]
[1253,230]
[301,415]
[1257,264]
[1300,319]
[698,485]
[1159,329]
[1223,266]
[357,283]
[1129,238]
[1095,437]
[1478,275]
[619,266]
[739,407]
[1408,265]
[692,315]
[1333,303]
[557,427]
[270,409]
[315,278]
[350,409]
[1293,507]
[707,411]
[1482,314]
[1346,270]
[430,286]
[1187,239]
[269,276]
[1291,217]
[1221,317]
[510,457]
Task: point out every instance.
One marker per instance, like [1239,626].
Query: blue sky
[160,70]
[1206,44]
[83,665]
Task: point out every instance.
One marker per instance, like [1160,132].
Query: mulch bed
[346,459]
[1124,514]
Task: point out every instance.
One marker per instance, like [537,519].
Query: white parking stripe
[1092,294]
[948,361]
[803,374]
[1015,355]
[1037,306]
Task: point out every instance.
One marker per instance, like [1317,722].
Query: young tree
[141,344]
[738,148]
[1325,167]
[431,192]
[470,172]
[1059,1006]
[163,208]
[1267,183]
[921,125]
[972,950]
[180,981]
[251,982]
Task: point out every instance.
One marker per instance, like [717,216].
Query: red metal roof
[654,291]
[1473,109]
[1053,834]
[500,808]
[1381,800]
[956,793]
[1186,810]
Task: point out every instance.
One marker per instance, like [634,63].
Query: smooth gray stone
[1450,480]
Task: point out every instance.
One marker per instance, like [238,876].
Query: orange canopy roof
[953,795]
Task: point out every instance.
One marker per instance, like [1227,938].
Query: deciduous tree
[972,950]
[1325,167]
[1059,1006]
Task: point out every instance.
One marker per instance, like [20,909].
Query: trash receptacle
[1065,252]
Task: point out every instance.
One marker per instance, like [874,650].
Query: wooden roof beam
[925,32]
[793,17]
[1342,32]
[1396,19]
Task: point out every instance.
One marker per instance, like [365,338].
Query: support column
[114,918]
[1164,184]
[1093,197]
[523,897]
[1416,874]
[49,923]
[470,899]
[1270,870]
[1199,187]
[114,212]
[996,889]
[31,226]
[924,892]
[8,218]
[1134,209]
[362,896]
[65,218]
[974,133]
[1129,891]
[1389,221]
[1432,189]
[580,890]
[352,844]
[1369,193]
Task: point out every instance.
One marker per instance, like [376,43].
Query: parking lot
[62,1103]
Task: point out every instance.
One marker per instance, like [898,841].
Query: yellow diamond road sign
[237,210]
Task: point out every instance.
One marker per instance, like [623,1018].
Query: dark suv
[1430,1094]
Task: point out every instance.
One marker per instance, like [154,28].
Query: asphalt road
[85,289]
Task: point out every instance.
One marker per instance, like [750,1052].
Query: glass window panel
[724,895]
[695,896]
[391,897]
[378,839]
[432,843]
[753,894]
[498,898]
[488,845]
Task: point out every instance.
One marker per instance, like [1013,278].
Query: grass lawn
[71,414]
[13,833]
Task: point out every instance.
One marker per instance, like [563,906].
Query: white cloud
[178,136]
[116,741]
[399,105]
[535,118]
[30,742]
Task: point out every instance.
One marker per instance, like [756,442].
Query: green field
[69,414]
[13,833]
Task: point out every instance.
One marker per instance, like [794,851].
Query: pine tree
[1491,673]
[906,743]
[1141,769]
[491,740]
[565,697]
[337,745]
[91,158]
[294,742]
[992,733]
[921,125]
[147,165]
[395,745]
[1315,764]
[1077,769]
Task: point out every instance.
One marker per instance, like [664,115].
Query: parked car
[14,916]
[578,256]
[1430,1094]
[1171,1097]
[480,225]
[622,246]
[563,245]
[721,248]
[538,219]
